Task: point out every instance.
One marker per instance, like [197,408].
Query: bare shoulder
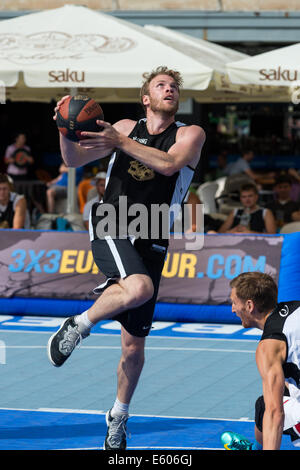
[21,203]
[192,132]
[269,351]
[125,126]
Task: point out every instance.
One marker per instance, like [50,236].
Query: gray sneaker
[116,432]
[62,343]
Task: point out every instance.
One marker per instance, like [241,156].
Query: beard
[162,107]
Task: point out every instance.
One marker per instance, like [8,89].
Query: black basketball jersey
[284,324]
[8,214]
[256,222]
[131,183]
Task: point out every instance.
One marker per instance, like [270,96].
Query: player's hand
[58,105]
[107,137]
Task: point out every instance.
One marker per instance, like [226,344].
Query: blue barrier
[288,289]
[163,311]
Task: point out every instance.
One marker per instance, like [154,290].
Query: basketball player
[277,412]
[153,162]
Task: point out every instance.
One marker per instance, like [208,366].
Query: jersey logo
[140,172]
[284,311]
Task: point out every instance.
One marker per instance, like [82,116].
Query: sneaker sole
[106,420]
[49,345]
[107,423]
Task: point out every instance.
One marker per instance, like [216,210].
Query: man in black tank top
[250,218]
[152,162]
[277,412]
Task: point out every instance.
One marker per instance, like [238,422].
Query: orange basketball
[76,114]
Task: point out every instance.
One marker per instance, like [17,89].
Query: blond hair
[162,70]
[258,287]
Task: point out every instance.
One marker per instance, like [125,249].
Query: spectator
[208,224]
[242,166]
[13,207]
[58,187]
[295,180]
[83,189]
[283,208]
[17,157]
[99,182]
[251,218]
[220,169]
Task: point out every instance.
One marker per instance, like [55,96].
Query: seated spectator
[58,187]
[295,180]
[220,169]
[242,166]
[283,208]
[251,218]
[210,224]
[13,207]
[99,182]
[83,188]
[18,158]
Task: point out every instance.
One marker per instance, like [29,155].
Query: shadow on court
[42,430]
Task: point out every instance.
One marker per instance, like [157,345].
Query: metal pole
[71,191]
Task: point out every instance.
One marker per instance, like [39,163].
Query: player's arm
[75,155]
[270,356]
[186,150]
[20,214]
[270,222]
[227,224]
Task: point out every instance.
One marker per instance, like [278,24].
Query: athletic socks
[83,322]
[119,408]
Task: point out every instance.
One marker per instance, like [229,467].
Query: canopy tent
[73,46]
[204,52]
[44,55]
[215,56]
[278,71]
[73,49]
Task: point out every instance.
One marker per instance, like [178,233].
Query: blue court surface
[199,380]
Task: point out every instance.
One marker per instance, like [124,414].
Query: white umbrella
[204,52]
[221,88]
[276,71]
[74,46]
[44,55]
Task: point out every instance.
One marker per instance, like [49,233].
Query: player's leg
[129,371]
[125,294]
[136,325]
[50,200]
[132,287]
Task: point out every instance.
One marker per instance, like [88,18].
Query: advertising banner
[203,276]
[60,265]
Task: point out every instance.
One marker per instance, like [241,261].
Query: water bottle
[245,218]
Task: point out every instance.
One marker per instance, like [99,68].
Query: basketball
[76,114]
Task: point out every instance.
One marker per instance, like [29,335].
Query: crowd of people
[23,211]
[249,213]
[254,202]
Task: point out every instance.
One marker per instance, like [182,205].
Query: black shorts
[119,258]
[259,415]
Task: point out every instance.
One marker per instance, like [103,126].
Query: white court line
[151,348]
[117,335]
[101,412]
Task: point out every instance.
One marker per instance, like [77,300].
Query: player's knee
[134,350]
[141,291]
